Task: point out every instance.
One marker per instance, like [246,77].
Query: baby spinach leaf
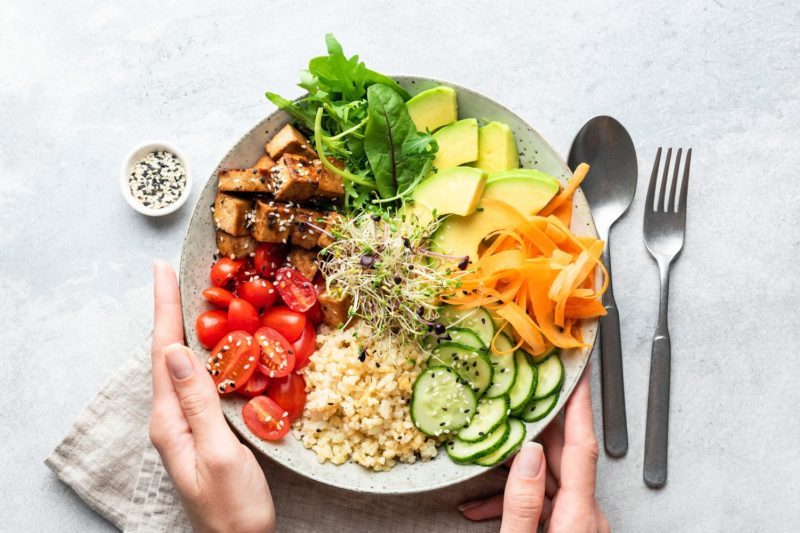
[393,146]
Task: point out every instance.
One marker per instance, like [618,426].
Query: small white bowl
[127,166]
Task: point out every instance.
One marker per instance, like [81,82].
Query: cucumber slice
[538,409]
[478,320]
[551,376]
[466,452]
[465,336]
[472,365]
[525,384]
[440,402]
[516,436]
[489,415]
[505,367]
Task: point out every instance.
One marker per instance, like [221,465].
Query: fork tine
[670,207]
[681,207]
[651,189]
[664,177]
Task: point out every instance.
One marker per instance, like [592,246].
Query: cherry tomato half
[242,315]
[255,386]
[288,323]
[232,361]
[225,270]
[211,326]
[265,418]
[277,354]
[259,292]
[218,296]
[304,346]
[290,393]
[246,273]
[268,259]
[296,291]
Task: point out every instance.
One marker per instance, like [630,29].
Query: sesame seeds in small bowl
[155,179]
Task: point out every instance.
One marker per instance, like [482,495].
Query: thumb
[197,395]
[524,494]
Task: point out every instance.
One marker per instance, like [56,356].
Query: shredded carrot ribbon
[536,276]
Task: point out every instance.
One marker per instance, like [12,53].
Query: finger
[580,453]
[168,325]
[491,507]
[550,483]
[524,494]
[198,399]
[553,442]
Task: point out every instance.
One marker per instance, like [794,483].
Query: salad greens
[399,156]
[358,116]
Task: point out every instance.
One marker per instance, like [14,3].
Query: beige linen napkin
[108,460]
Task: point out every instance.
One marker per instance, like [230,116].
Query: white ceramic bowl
[196,260]
[131,159]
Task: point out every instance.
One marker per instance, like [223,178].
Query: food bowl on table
[199,248]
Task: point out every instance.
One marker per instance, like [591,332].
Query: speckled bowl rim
[568,386]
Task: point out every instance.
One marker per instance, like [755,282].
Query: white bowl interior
[138,153]
[196,261]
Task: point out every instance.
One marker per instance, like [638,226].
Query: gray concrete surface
[81,82]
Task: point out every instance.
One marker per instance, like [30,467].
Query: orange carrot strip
[569,190]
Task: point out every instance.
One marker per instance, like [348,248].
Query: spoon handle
[615,424]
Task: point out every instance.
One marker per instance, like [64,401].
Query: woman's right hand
[558,491]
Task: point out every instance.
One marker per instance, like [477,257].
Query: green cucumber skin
[521,406]
[414,387]
[481,461]
[557,387]
[526,413]
[477,455]
[496,425]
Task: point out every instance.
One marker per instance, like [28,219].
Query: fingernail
[530,460]
[466,506]
[178,361]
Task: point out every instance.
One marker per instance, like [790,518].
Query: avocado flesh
[497,148]
[433,108]
[458,144]
[527,192]
[455,191]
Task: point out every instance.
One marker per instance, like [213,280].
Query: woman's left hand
[220,483]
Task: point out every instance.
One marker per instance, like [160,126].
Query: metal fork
[664,224]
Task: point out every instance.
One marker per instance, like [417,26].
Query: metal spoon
[605,145]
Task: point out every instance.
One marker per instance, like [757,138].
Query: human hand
[557,492]
[219,481]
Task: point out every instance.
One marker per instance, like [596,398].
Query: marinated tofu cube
[232,214]
[305,261]
[293,179]
[243,180]
[335,306]
[289,141]
[264,162]
[273,221]
[329,184]
[235,247]
[304,232]
[332,219]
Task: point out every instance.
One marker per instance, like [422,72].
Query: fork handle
[657,427]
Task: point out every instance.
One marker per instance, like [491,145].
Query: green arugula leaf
[396,154]
[303,116]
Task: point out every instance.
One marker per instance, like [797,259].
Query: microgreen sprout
[394,280]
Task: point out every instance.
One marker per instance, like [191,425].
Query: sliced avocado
[455,191]
[458,144]
[497,149]
[433,108]
[525,190]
